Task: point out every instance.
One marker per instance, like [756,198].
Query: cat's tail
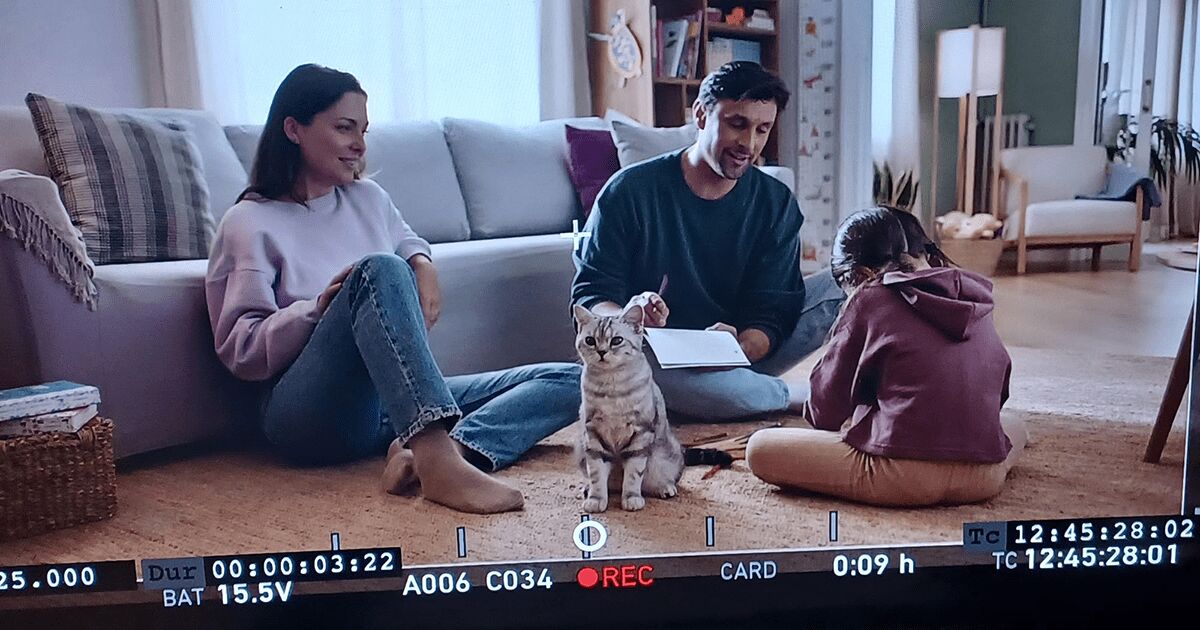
[706,457]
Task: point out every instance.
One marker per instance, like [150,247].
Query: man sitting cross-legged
[721,241]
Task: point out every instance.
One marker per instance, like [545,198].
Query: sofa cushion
[134,186]
[223,174]
[504,303]
[411,162]
[514,179]
[636,143]
[20,148]
[593,160]
[244,140]
[783,174]
[1075,217]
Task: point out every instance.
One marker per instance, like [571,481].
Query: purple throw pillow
[593,157]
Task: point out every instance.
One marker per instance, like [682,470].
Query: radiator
[1016,131]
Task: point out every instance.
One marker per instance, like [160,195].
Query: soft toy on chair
[960,225]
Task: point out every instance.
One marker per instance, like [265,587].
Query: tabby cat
[626,442]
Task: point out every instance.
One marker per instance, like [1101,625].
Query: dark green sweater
[734,260]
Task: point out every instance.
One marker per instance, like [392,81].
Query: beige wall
[83,51]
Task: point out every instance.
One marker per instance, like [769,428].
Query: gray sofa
[493,200]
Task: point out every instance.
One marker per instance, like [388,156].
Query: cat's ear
[633,316]
[583,317]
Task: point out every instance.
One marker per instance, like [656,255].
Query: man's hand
[331,291]
[755,344]
[428,290]
[725,327]
[654,307]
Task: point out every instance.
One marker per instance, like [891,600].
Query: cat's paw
[592,505]
[668,492]
[633,503]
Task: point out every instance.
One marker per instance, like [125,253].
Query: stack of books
[723,50]
[60,406]
[677,46]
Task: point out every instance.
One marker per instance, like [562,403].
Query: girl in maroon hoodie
[906,400]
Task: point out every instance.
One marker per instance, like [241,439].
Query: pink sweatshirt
[271,259]
[916,365]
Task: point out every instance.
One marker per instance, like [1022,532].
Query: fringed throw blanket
[32,212]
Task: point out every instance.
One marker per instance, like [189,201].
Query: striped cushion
[134,186]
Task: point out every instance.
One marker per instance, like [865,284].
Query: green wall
[1040,67]
[1041,63]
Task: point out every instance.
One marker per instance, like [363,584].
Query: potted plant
[897,192]
[1174,152]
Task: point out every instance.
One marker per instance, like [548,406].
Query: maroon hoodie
[916,364]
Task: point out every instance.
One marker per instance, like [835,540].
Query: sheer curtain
[510,62]
[1188,102]
[1176,85]
[895,112]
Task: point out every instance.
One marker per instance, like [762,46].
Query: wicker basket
[55,480]
[979,255]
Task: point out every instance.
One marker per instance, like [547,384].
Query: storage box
[54,480]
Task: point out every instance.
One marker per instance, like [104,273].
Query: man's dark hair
[743,81]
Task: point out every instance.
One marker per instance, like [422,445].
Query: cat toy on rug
[717,451]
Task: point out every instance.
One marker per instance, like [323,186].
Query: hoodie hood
[952,300]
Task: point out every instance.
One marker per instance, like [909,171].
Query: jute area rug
[1089,418]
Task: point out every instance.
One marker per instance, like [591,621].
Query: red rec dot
[587,577]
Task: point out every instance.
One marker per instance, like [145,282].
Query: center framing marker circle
[601,533]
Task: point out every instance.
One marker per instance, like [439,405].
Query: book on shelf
[691,49]
[674,38]
[720,52]
[656,37]
[659,34]
[66,421]
[723,50]
[35,400]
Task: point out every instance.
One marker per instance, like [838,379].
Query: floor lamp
[970,64]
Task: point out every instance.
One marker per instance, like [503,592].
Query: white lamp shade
[963,49]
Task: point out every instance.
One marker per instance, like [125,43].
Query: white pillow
[611,114]
[636,143]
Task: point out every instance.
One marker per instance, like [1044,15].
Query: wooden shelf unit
[739,31]
[667,101]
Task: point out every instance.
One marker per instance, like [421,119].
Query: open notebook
[676,348]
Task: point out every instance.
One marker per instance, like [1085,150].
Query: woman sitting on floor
[345,353]
[915,370]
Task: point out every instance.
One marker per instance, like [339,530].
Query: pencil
[662,287]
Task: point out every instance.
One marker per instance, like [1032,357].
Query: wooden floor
[1111,311]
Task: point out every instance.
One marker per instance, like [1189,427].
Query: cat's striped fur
[626,442]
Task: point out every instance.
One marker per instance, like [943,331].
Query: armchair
[1038,186]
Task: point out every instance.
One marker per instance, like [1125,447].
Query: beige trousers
[819,461]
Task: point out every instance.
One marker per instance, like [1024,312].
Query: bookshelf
[658,96]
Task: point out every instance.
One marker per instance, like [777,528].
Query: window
[416,59]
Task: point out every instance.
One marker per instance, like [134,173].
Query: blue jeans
[366,377]
[733,393]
